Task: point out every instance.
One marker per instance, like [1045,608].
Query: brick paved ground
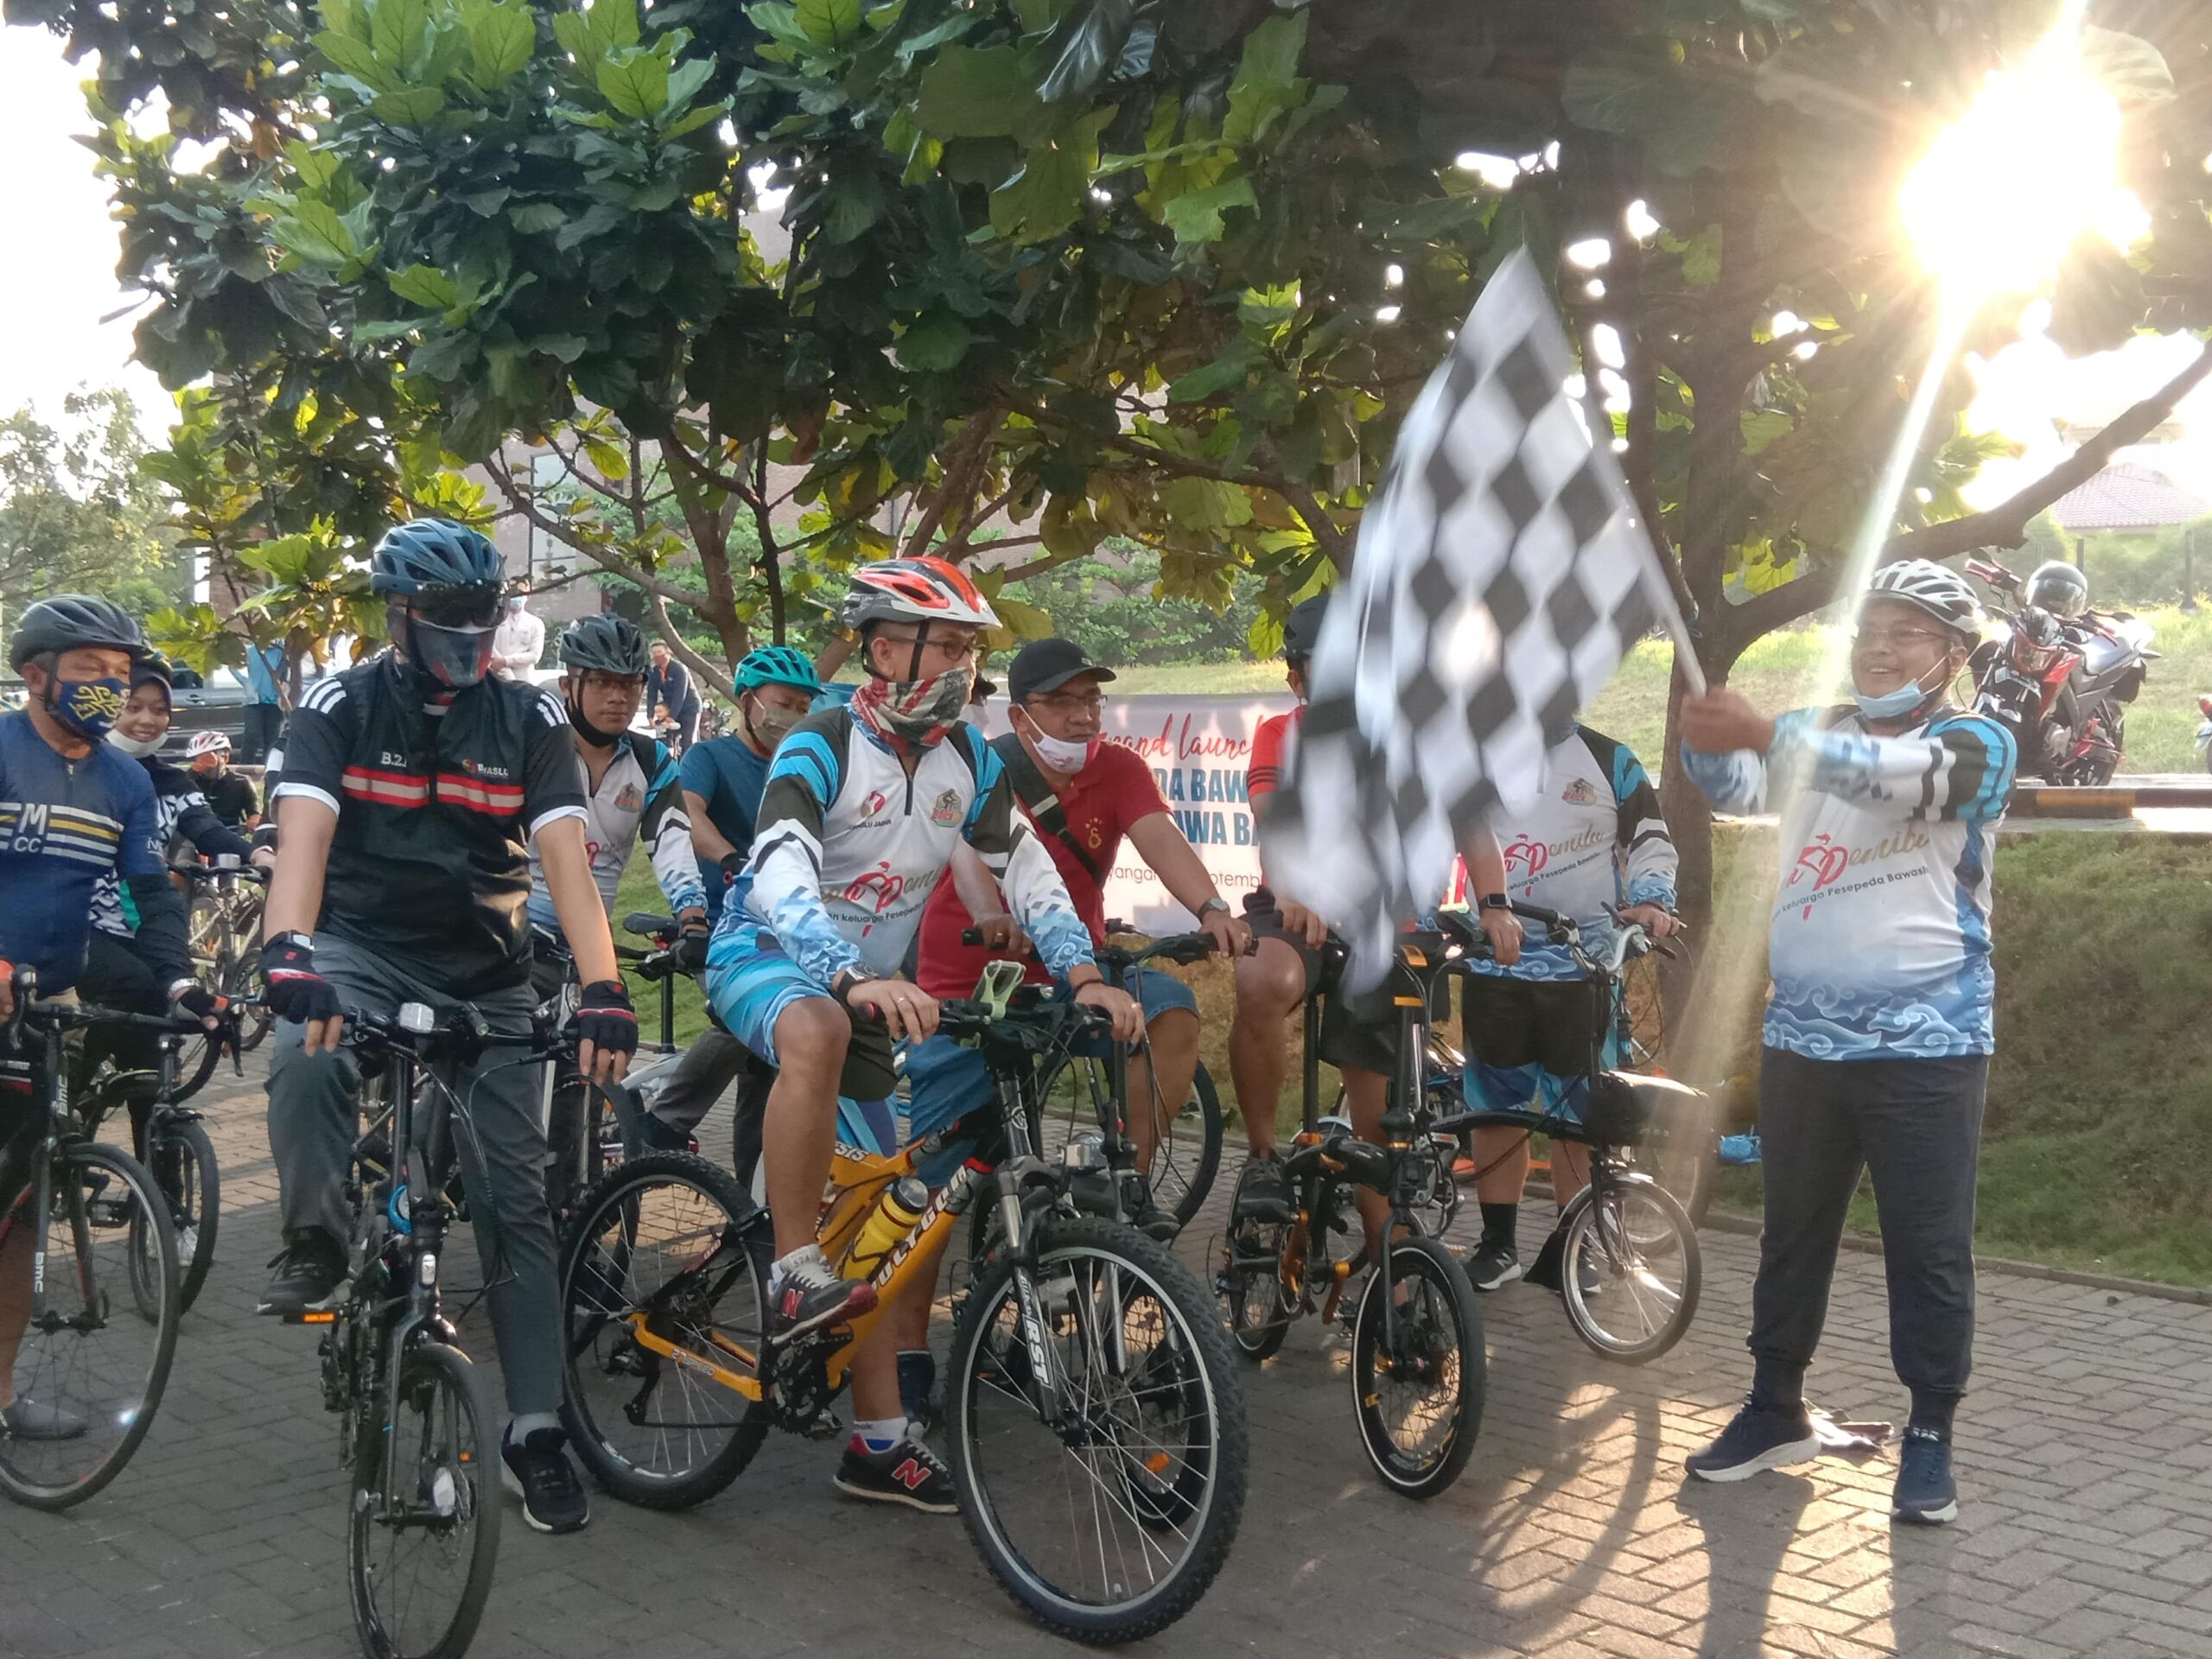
[2085,1450]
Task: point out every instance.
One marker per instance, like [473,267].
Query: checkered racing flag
[1502,571]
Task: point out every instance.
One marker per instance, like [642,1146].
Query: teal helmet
[776,665]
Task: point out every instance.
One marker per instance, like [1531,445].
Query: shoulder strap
[1037,797]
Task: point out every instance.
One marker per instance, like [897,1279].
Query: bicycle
[422,1502]
[1417,1358]
[1624,1242]
[1081,1338]
[99,1242]
[223,933]
[168,1140]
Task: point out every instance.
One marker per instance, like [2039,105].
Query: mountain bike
[422,1505]
[223,932]
[84,1230]
[1417,1359]
[1096,1424]
[170,1141]
[1630,1269]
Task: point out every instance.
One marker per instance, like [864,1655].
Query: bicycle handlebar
[198,870]
[68,1014]
[1183,948]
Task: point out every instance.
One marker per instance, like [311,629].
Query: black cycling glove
[606,1019]
[732,866]
[198,1001]
[691,947]
[296,990]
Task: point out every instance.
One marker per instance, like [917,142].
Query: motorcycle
[2062,688]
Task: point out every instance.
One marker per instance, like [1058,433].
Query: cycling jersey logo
[1824,862]
[947,809]
[1527,854]
[1581,793]
[877,800]
[628,799]
[482,768]
[879,888]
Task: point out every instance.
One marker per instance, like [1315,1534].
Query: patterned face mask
[88,707]
[917,712]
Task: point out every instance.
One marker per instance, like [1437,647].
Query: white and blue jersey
[1879,942]
[637,798]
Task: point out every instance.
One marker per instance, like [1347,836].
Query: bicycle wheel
[1418,1389]
[1186,1155]
[1254,1300]
[664,1294]
[1109,1523]
[90,1358]
[181,1160]
[1631,1267]
[422,1537]
[1681,1152]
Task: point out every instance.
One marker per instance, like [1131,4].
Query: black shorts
[1546,1022]
[1358,1028]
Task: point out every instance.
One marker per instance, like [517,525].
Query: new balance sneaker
[1262,1192]
[805,1295]
[1925,1494]
[909,1473]
[305,1275]
[1757,1437]
[1494,1265]
[537,1469]
[33,1419]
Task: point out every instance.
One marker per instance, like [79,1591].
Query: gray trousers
[1915,1126]
[312,1127]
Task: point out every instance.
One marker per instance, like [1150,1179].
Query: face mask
[768,727]
[136,748]
[1059,753]
[1894,705]
[452,657]
[516,603]
[87,707]
[918,712]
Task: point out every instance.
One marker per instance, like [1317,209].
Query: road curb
[1871,1244]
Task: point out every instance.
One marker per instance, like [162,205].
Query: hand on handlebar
[1231,935]
[1002,933]
[692,934]
[907,1009]
[1298,922]
[201,1004]
[1656,920]
[1124,1010]
[1502,929]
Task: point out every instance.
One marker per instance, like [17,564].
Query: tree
[78,514]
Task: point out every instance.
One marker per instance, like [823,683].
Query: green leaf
[400,32]
[1026,621]
[2130,67]
[533,217]
[500,40]
[1048,194]
[778,20]
[1195,216]
[314,231]
[357,58]
[684,82]
[829,22]
[968,93]
[1210,379]
[1093,47]
[1267,81]
[635,82]
[1762,426]
[937,341]
[409,106]
[427,286]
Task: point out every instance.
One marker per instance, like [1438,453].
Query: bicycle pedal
[827,1427]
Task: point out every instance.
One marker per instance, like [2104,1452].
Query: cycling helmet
[73,622]
[2058,588]
[1944,594]
[1301,629]
[206,743]
[613,644]
[776,665]
[915,590]
[431,553]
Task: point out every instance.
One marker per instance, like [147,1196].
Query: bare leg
[905,1323]
[1368,1095]
[1501,1165]
[1270,984]
[1570,1170]
[801,1133]
[1174,1061]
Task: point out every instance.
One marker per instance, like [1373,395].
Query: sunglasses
[456,607]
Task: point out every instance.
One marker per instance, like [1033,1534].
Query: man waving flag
[1501,573]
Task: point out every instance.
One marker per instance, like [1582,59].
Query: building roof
[2125,496]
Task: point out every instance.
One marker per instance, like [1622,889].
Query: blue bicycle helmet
[433,553]
[776,665]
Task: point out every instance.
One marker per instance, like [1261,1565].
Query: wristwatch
[1497,901]
[1214,903]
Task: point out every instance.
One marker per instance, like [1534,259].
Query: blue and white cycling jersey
[848,846]
[1880,941]
[638,797]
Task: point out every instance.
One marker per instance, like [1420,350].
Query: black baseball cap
[1047,665]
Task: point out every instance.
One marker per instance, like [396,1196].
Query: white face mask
[136,748]
[1058,753]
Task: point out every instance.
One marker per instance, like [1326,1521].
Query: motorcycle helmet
[2059,588]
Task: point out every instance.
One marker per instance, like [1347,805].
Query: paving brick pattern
[2087,1529]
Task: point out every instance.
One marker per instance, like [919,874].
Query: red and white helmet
[206,743]
[915,590]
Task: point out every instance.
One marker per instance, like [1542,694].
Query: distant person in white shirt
[520,640]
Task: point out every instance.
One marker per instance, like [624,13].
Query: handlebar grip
[972,936]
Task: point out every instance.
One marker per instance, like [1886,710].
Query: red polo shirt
[1102,801]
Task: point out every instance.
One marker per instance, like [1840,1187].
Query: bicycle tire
[1255,1312]
[78,1167]
[595,1297]
[1685,1160]
[1461,1345]
[466,1469]
[1064,1098]
[1577,1226]
[1207,1099]
[195,1211]
[1204,1375]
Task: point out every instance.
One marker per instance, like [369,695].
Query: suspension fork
[1013,1110]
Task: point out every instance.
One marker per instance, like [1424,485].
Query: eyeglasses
[600,679]
[455,606]
[1894,639]
[1073,702]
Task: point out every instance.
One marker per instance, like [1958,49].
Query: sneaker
[1262,1192]
[657,1134]
[1494,1265]
[1925,1494]
[30,1419]
[1155,1222]
[538,1472]
[305,1275]
[805,1296]
[909,1473]
[1756,1438]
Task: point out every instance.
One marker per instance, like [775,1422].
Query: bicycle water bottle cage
[995,989]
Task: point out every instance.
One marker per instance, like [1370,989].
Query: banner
[1197,748]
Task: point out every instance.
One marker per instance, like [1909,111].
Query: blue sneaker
[1756,1438]
[1925,1494]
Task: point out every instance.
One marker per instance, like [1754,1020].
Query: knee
[1270,983]
[1173,1028]
[811,1037]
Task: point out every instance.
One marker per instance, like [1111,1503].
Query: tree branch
[561,532]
